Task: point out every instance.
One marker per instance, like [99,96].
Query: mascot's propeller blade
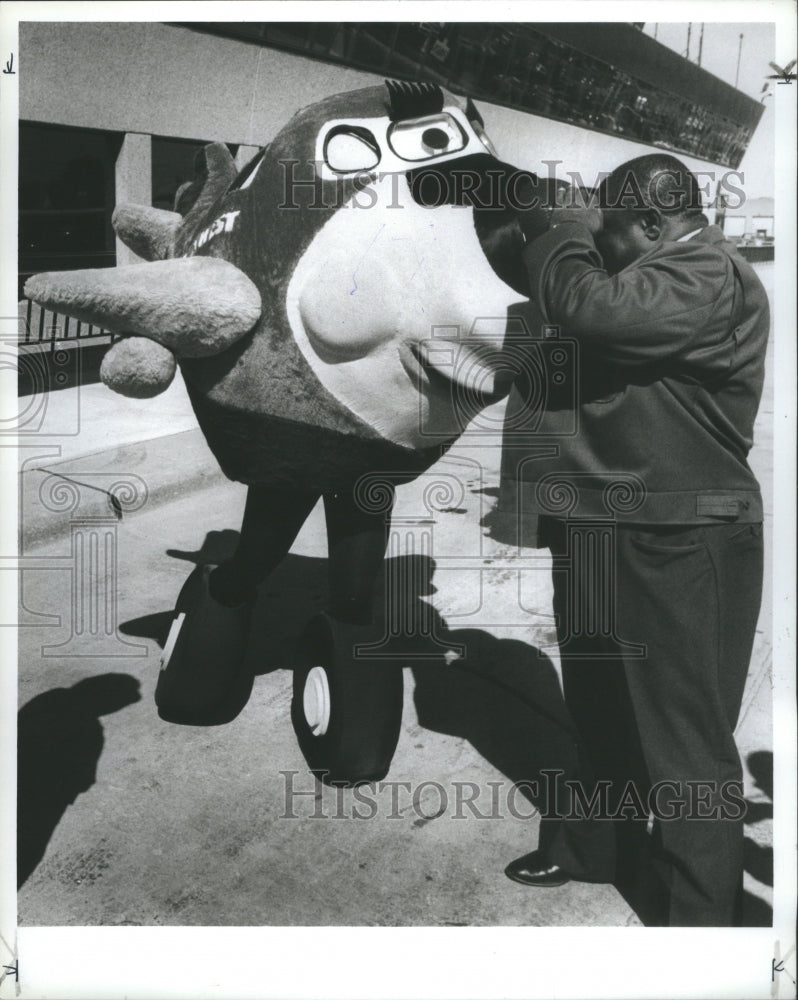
[195,306]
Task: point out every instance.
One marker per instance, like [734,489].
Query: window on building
[66,198]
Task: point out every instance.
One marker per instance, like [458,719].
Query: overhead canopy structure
[626,48]
[609,77]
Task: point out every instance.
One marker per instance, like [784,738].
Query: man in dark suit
[654,520]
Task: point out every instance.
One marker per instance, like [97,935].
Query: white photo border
[373,963]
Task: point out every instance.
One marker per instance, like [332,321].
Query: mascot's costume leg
[346,711]
[338,310]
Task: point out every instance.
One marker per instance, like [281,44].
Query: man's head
[645,202]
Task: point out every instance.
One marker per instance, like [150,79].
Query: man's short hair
[653,181]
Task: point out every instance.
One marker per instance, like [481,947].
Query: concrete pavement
[133,820]
[183,825]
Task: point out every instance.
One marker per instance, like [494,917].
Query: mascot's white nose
[393,270]
[417,275]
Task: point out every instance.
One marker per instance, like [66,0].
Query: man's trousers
[655,632]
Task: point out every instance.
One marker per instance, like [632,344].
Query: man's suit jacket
[655,401]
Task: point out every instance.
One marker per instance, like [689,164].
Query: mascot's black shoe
[532,869]
[202,664]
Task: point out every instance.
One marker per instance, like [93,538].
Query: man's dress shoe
[532,869]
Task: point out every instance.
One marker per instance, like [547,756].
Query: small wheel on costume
[346,711]
[203,676]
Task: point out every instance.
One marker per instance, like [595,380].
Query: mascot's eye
[349,148]
[434,138]
[421,138]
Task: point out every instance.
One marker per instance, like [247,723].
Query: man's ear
[650,221]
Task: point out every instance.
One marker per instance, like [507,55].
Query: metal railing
[44,329]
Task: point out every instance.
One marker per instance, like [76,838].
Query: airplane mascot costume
[321,304]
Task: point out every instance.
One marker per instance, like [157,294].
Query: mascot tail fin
[214,172]
[149,232]
[153,233]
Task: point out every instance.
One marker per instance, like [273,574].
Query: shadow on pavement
[60,739]
[758,858]
[527,726]
[502,695]
[218,546]
[293,594]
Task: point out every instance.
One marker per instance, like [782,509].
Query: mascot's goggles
[379,145]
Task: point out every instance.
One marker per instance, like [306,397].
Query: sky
[719,56]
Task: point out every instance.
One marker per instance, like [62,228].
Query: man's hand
[574,205]
[591,218]
[570,204]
